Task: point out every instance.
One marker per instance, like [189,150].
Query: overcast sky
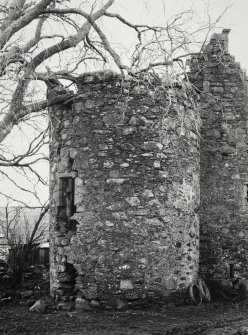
[157,12]
[236,17]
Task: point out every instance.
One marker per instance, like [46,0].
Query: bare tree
[21,233]
[47,43]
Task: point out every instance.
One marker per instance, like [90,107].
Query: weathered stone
[132,171]
[89,104]
[38,307]
[224,161]
[156,164]
[95,303]
[152,146]
[83,305]
[66,306]
[119,215]
[115,181]
[133,201]
[73,153]
[58,241]
[148,193]
[134,120]
[64,136]
[125,165]
[65,241]
[129,130]
[126,284]
[206,86]
[108,164]
[42,304]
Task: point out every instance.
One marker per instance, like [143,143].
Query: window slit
[66,195]
[231,271]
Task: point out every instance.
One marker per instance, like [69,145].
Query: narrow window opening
[231,271]
[66,195]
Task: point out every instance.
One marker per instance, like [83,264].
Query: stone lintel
[72,174]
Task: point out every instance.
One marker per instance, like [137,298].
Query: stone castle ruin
[149,185]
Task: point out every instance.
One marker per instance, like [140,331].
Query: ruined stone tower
[224,162]
[126,176]
[124,190]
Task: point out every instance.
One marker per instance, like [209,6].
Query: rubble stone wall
[129,153]
[224,162]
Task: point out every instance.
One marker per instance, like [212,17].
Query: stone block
[133,201]
[126,284]
[83,305]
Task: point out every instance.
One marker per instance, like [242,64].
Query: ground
[209,319]
[215,318]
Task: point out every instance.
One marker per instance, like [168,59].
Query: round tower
[124,192]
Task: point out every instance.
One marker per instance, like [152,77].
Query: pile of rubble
[34,286]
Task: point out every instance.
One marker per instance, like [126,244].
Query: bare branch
[10,27]
[37,224]
[19,112]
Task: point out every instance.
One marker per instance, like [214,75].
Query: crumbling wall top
[218,42]
[98,76]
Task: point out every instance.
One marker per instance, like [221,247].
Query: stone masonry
[130,155]
[224,162]
[132,174]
